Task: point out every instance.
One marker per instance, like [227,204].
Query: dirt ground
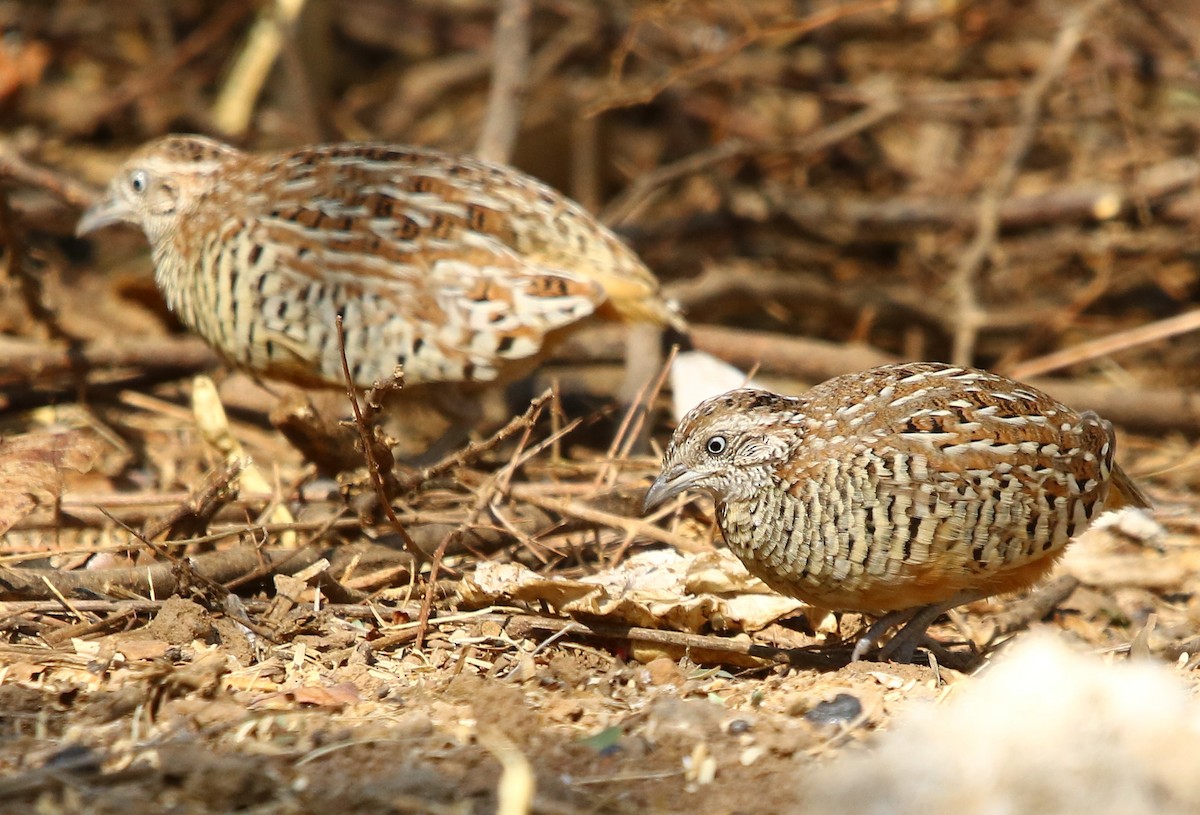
[203,609]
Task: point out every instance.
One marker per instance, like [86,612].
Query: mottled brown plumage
[900,491]
[457,269]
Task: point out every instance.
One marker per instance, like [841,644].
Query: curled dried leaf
[32,465]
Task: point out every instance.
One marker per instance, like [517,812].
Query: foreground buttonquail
[459,270]
[901,491]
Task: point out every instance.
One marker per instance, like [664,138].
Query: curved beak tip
[652,498]
[668,484]
[98,215]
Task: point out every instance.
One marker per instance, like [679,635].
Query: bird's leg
[425,424]
[876,630]
[901,647]
[465,408]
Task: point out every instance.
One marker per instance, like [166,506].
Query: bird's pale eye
[139,180]
[716,445]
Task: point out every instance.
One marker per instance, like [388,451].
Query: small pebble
[841,709]
[739,726]
[76,758]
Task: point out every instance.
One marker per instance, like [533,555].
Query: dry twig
[625,205]
[967,312]
[235,103]
[163,72]
[372,449]
[527,422]
[700,647]
[510,67]
[753,34]
[873,219]
[63,187]
[1104,346]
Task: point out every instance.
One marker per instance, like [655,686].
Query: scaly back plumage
[902,486]
[457,269]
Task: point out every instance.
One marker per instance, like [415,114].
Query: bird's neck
[172,273]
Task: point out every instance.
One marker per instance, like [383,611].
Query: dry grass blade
[517,784]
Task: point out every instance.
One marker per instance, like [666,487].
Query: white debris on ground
[1045,730]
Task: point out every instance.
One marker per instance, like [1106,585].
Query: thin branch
[682,75]
[473,450]
[25,363]
[700,647]
[163,73]
[968,313]
[228,567]
[1119,341]
[591,515]
[235,103]
[510,69]
[66,189]
[872,219]
[365,434]
[625,205]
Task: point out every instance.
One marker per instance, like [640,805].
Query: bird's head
[730,446]
[158,185]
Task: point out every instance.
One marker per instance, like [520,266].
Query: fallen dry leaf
[31,468]
[332,696]
[656,589]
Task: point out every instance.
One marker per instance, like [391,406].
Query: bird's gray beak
[107,210]
[669,482]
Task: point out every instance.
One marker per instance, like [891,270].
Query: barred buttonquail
[460,270]
[901,491]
